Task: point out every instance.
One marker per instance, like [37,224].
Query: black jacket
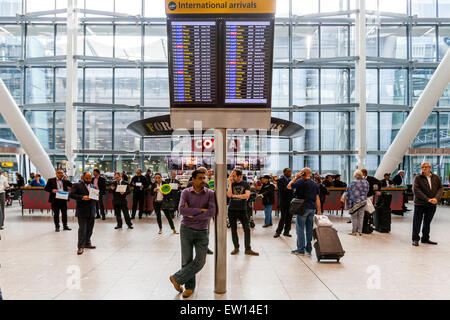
[101,184]
[268,192]
[339,184]
[20,182]
[118,198]
[140,179]
[328,184]
[51,185]
[422,191]
[384,183]
[372,181]
[285,194]
[398,180]
[85,208]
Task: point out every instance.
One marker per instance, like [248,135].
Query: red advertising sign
[207,145]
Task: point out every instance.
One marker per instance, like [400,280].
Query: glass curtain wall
[307,88]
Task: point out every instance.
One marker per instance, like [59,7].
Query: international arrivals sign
[220,6]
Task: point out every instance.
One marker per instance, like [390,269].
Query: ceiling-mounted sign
[7,164]
[220,6]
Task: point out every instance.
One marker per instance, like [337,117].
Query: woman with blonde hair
[356,201]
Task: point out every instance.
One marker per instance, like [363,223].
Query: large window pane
[427,136]
[280,88]
[155,43]
[390,124]
[420,78]
[133,7]
[98,130]
[423,8]
[305,42]
[334,134]
[99,5]
[124,140]
[372,131]
[333,5]
[282,9]
[155,9]
[393,84]
[41,123]
[127,86]
[334,84]
[444,8]
[335,164]
[423,39]
[393,42]
[281,45]
[445,169]
[334,42]
[104,164]
[397,6]
[300,162]
[444,129]
[305,87]
[300,8]
[371,86]
[98,85]
[40,40]
[371,41]
[39,85]
[10,42]
[6,132]
[41,5]
[10,7]
[60,133]
[99,41]
[12,79]
[60,85]
[128,42]
[444,41]
[309,121]
[156,89]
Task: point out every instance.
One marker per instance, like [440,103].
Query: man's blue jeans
[301,223]
[191,239]
[268,214]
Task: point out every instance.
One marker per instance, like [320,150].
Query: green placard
[211,184]
[166,188]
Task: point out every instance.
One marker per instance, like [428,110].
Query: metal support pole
[71,86]
[220,188]
[360,85]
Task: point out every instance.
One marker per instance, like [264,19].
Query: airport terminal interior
[90,84]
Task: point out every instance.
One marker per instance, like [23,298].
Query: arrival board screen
[194,62]
[248,62]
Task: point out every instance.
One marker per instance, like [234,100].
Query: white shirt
[429,181]
[3,184]
[159,195]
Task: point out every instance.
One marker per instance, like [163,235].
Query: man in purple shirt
[197,206]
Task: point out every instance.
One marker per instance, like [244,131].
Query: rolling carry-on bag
[382,215]
[368,223]
[327,245]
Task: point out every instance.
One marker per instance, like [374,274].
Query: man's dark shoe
[429,242]
[67,228]
[130,227]
[103,218]
[140,217]
[287,235]
[90,246]
[97,217]
[56,229]
[209,252]
[349,221]
[118,227]
[251,253]
[132,217]
[80,251]
[235,251]
[277,235]
[266,225]
[415,243]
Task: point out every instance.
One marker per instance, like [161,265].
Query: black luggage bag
[382,215]
[327,245]
[368,223]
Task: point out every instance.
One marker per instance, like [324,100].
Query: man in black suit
[285,197]
[337,183]
[139,183]
[85,211]
[398,179]
[53,186]
[120,201]
[372,182]
[387,182]
[100,183]
[174,194]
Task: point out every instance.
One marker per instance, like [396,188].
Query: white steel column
[22,130]
[360,84]
[419,114]
[220,188]
[71,86]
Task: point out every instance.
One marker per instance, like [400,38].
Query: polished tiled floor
[37,263]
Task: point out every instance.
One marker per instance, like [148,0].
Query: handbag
[297,207]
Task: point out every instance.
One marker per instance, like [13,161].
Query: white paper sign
[138,184]
[121,188]
[174,186]
[63,195]
[93,194]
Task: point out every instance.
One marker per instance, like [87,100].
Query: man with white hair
[427,189]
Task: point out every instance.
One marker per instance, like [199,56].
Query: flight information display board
[193,62]
[248,62]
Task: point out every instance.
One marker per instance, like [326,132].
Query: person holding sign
[86,209]
[139,183]
[158,189]
[58,189]
[120,190]
[197,206]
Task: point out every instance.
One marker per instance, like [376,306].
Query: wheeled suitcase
[327,245]
[367,223]
[382,215]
